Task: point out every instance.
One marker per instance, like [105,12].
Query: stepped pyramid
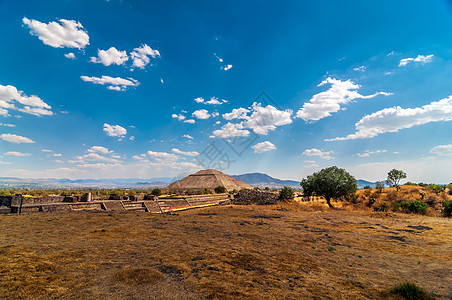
[209,179]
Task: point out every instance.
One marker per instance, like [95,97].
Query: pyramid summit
[208,179]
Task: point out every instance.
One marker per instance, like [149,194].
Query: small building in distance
[208,179]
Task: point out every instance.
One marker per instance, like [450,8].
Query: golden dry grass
[288,251]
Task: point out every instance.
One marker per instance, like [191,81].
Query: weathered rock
[114,197]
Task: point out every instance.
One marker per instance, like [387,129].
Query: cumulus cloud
[113,83]
[190,121]
[226,67]
[70,55]
[423,59]
[187,136]
[263,147]
[202,114]
[199,100]
[237,113]
[442,150]
[162,156]
[16,139]
[14,99]
[395,118]
[7,125]
[115,130]
[368,153]
[231,130]
[15,153]
[180,117]
[187,153]
[323,104]
[67,33]
[321,154]
[360,69]
[99,149]
[264,119]
[215,101]
[140,56]
[94,157]
[110,56]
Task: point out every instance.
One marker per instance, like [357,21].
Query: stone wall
[255,197]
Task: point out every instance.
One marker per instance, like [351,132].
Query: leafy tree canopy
[394,177]
[331,183]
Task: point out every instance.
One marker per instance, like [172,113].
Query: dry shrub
[432,200]
[137,276]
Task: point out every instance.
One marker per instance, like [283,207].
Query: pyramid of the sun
[208,179]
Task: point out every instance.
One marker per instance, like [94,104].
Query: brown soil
[296,251]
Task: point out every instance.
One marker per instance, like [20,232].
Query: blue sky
[144,89]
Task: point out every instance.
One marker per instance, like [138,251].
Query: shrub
[286,194]
[410,183]
[411,291]
[422,195]
[207,191]
[371,201]
[447,210]
[380,186]
[367,187]
[383,207]
[220,189]
[415,206]
[431,200]
[156,192]
[436,188]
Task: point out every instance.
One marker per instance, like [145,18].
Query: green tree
[394,177]
[220,189]
[156,192]
[286,194]
[379,186]
[331,183]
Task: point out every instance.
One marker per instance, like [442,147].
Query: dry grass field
[287,251]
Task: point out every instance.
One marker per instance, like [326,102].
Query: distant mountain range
[260,180]
[263,180]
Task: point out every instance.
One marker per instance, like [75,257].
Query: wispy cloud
[113,83]
[423,59]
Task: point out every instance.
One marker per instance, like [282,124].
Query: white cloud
[237,113]
[324,103]
[162,156]
[263,147]
[368,153]
[10,97]
[187,153]
[58,161]
[360,69]
[140,56]
[202,114]
[226,67]
[395,118]
[68,33]
[231,130]
[199,100]
[113,83]
[218,58]
[215,101]
[70,55]
[7,125]
[94,157]
[16,139]
[15,153]
[110,56]
[47,150]
[264,119]
[180,117]
[99,149]
[187,136]
[190,121]
[442,150]
[115,130]
[423,59]
[132,138]
[321,154]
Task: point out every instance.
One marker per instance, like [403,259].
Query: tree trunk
[329,202]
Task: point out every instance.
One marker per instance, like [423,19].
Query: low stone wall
[255,197]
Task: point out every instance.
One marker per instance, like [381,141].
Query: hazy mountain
[263,180]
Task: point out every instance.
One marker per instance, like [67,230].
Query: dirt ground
[296,251]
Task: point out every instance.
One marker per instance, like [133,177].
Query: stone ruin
[255,197]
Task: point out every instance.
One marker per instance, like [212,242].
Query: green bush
[220,189]
[156,192]
[206,191]
[367,187]
[447,210]
[411,291]
[286,194]
[416,206]
[383,207]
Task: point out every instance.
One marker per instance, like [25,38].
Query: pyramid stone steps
[114,206]
[86,206]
